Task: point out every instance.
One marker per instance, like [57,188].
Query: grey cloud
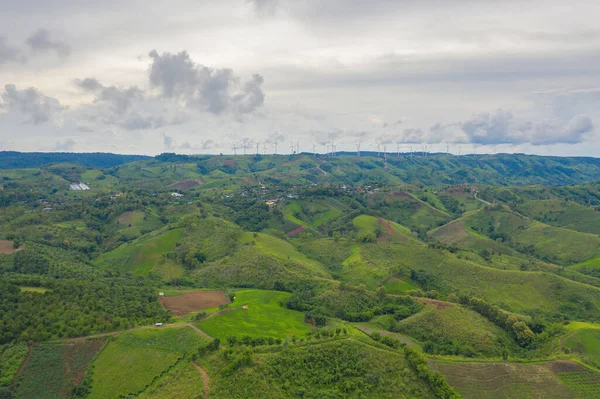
[264,7]
[168,141]
[178,77]
[119,99]
[65,145]
[89,84]
[42,40]
[9,53]
[39,107]
[502,127]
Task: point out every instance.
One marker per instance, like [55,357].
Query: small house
[161,294]
[158,324]
[177,195]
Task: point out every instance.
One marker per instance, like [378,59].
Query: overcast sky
[149,76]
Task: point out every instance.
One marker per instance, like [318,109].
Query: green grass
[143,255]
[586,343]
[367,224]
[567,214]
[536,291]
[458,327]
[53,370]
[39,290]
[265,317]
[342,368]
[182,382]
[132,361]
[283,250]
[397,285]
[11,357]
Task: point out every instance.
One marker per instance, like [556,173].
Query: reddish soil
[388,232]
[194,300]
[438,304]
[229,163]
[296,231]
[184,185]
[6,247]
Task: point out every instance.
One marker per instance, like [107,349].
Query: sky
[203,77]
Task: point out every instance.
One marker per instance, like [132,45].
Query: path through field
[205,379]
[480,200]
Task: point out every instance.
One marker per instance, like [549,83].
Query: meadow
[265,317]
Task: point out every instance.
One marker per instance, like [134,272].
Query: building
[79,187]
[177,195]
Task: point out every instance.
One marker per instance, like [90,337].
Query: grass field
[457,329]
[343,368]
[559,380]
[11,358]
[182,382]
[39,290]
[397,285]
[53,370]
[585,342]
[132,361]
[283,250]
[265,317]
[144,255]
[567,214]
[537,291]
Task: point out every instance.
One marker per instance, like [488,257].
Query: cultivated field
[54,369]
[560,380]
[129,364]
[192,301]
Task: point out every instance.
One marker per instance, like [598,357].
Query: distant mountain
[16,160]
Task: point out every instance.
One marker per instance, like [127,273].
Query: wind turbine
[358,149]
[314,149]
[276,142]
[265,148]
[398,150]
[378,148]
[293,148]
[447,149]
[257,144]
[235,147]
[384,149]
[298,147]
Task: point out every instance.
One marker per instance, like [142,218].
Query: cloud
[32,103]
[9,53]
[65,145]
[264,7]
[502,127]
[42,41]
[168,142]
[177,76]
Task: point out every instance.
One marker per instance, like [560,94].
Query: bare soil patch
[6,247]
[205,379]
[229,163]
[438,304]
[296,231]
[193,301]
[125,218]
[185,184]
[452,233]
[562,366]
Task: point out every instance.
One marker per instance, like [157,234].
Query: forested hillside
[299,276]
